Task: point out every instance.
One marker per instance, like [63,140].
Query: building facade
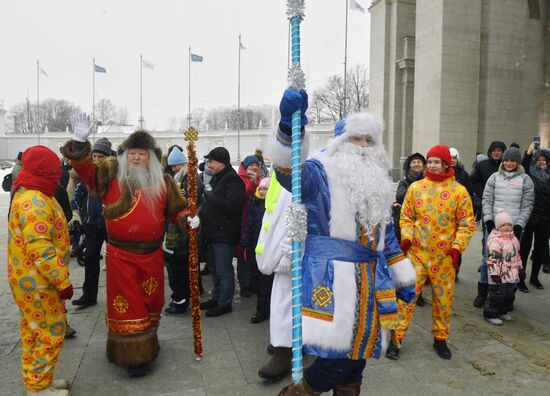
[461,73]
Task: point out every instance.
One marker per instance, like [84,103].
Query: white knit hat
[502,218]
[454,153]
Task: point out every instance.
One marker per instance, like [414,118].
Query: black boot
[442,349]
[482,289]
[522,287]
[536,283]
[534,279]
[393,351]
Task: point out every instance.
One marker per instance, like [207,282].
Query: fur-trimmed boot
[279,366]
[302,389]
[347,389]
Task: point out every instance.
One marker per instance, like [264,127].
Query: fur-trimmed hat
[357,124]
[140,140]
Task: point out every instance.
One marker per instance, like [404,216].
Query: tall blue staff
[297,220]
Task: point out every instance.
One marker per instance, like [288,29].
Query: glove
[521,273]
[455,255]
[253,176]
[82,127]
[517,231]
[75,221]
[193,222]
[405,246]
[490,225]
[496,279]
[292,101]
[66,293]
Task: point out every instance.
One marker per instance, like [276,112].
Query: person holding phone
[535,162]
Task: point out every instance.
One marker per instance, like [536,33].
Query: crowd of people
[363,275]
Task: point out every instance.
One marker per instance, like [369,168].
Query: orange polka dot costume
[38,254]
[437,217]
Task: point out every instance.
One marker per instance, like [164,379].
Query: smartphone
[536,140]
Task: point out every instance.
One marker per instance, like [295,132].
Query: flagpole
[239,106]
[140,91]
[38,100]
[93,100]
[189,113]
[346,61]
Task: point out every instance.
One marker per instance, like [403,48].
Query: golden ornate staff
[191,136]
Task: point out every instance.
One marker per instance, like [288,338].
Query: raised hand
[82,127]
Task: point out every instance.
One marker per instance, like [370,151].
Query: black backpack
[7,182]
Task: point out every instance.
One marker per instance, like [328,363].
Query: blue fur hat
[249,160]
[176,157]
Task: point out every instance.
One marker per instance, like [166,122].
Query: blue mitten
[292,101]
[407,294]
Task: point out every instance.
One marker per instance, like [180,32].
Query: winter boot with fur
[482,289]
[302,389]
[347,389]
[279,366]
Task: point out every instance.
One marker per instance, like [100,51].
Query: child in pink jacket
[504,268]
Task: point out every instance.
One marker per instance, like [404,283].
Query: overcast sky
[66,34]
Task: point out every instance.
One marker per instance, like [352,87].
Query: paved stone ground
[506,360]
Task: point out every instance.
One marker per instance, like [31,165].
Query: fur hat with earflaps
[140,140]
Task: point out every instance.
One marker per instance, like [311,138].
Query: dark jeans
[177,267]
[243,272]
[259,282]
[93,241]
[324,374]
[483,276]
[500,300]
[540,249]
[219,259]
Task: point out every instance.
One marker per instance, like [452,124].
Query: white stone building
[460,73]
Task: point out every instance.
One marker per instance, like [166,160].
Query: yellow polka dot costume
[436,216]
[38,254]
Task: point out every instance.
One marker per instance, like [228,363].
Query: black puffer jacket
[221,212]
[481,173]
[402,188]
[541,180]
[463,178]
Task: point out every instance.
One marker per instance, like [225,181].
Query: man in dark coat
[221,217]
[478,178]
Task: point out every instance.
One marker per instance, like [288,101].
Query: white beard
[147,179]
[363,173]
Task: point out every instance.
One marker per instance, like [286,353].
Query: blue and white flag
[99,69]
[196,58]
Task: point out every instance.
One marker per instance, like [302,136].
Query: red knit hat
[442,152]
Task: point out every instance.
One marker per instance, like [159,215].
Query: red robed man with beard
[137,200]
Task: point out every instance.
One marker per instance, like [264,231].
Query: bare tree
[53,115]
[105,112]
[121,117]
[328,101]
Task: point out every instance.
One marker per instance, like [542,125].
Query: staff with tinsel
[191,136]
[297,217]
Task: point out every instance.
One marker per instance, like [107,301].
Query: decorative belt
[137,247]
